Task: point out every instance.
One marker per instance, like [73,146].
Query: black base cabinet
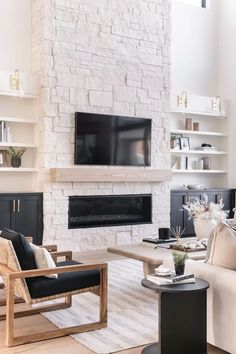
[179,216]
[23,212]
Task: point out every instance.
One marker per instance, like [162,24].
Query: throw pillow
[222,247]
[22,248]
[43,259]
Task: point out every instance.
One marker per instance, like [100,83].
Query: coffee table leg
[149,268]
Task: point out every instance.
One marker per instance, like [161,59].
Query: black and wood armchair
[22,279]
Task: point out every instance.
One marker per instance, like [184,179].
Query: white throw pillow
[221,250]
[43,259]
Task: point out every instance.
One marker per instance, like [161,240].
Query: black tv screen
[112,140]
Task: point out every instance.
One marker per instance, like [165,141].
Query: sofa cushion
[43,259]
[222,247]
[42,287]
[22,248]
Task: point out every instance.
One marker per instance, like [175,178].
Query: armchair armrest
[66,254]
[50,248]
[48,271]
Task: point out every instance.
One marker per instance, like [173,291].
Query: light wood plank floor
[66,345]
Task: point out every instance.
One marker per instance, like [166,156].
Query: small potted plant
[179,262]
[15,155]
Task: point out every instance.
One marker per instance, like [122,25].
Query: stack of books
[172,279]
[4,132]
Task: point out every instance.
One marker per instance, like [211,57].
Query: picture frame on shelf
[175,142]
[3,158]
[184,144]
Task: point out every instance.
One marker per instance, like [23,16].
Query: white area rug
[132,312]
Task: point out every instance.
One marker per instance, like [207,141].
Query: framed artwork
[175,142]
[3,158]
[184,144]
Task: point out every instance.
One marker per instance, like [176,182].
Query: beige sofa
[221,303]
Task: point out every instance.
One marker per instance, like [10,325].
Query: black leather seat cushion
[42,287]
[22,248]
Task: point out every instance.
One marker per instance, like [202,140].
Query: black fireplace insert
[109,210]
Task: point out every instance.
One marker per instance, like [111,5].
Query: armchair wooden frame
[15,284]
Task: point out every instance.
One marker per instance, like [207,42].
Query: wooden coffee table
[182,318]
[151,257]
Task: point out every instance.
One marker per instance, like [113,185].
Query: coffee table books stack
[164,276]
[171,279]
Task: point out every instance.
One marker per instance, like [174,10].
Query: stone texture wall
[103,56]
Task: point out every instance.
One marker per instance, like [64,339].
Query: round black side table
[182,318]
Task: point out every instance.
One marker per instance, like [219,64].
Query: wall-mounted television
[112,140]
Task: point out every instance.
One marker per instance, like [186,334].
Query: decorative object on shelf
[15,80]
[216,104]
[16,155]
[182,100]
[206,163]
[177,233]
[196,126]
[188,124]
[3,158]
[205,215]
[175,141]
[200,164]
[184,144]
[179,262]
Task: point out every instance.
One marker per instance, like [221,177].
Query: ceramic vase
[204,227]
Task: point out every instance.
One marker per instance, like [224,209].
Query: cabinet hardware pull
[18,205]
[186,199]
[14,206]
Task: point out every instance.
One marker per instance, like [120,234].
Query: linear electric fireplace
[109,210]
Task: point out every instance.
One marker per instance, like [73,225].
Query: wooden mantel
[109,174]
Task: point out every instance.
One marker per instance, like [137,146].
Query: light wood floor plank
[65,345]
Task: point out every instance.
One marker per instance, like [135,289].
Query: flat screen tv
[112,140]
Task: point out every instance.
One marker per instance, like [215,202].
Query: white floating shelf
[199,113]
[18,94]
[18,169]
[200,171]
[200,133]
[18,145]
[18,120]
[198,152]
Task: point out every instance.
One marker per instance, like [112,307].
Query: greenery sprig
[15,153]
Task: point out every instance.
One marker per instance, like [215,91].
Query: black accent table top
[198,286]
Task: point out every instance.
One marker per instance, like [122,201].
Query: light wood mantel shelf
[111,174]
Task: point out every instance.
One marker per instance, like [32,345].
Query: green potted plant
[15,155]
[179,262]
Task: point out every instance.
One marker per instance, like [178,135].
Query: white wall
[194,48]
[15,35]
[227,72]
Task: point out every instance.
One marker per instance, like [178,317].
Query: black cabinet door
[27,217]
[177,213]
[5,212]
[23,212]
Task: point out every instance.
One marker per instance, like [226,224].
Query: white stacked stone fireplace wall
[102,56]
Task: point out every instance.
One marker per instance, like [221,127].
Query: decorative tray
[186,249]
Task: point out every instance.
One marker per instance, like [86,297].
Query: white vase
[204,227]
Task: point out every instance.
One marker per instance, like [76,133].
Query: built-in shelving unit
[212,114]
[20,111]
[198,152]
